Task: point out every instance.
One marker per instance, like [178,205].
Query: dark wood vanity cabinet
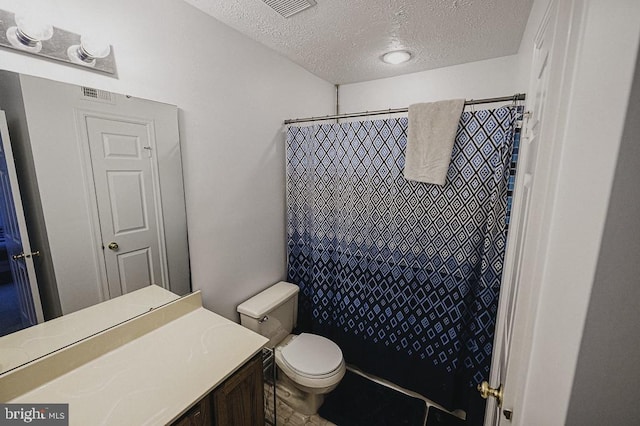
[238,401]
[198,415]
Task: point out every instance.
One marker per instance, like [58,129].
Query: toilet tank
[272,313]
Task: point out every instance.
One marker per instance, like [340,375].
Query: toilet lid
[312,355]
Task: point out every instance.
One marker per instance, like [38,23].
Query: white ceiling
[342,41]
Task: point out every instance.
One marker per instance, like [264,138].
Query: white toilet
[309,366]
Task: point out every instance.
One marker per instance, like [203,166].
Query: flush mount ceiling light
[29,33]
[396,57]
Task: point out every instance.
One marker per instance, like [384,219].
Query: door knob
[113,246]
[486,391]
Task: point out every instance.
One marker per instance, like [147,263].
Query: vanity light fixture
[29,34]
[89,49]
[396,57]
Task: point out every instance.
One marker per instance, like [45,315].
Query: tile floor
[286,415]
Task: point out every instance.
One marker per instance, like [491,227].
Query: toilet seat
[312,356]
[311,360]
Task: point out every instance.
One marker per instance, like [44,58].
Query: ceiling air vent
[288,8]
[89,93]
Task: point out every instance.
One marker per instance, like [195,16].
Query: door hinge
[526,116]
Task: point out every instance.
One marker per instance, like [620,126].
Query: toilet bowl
[314,363]
[309,366]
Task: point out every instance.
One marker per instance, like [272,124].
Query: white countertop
[34,342]
[154,378]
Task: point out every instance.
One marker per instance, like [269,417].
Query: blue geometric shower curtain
[403,276]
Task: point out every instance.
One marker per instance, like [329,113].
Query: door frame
[81,116]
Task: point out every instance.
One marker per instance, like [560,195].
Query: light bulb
[94,47]
[89,49]
[396,57]
[32,30]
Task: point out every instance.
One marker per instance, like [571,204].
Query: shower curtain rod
[516,97]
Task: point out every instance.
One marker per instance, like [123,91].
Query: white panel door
[524,227]
[128,208]
[16,236]
[534,200]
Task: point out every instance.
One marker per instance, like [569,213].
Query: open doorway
[10,318]
[20,290]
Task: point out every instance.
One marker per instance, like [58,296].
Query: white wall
[233,94]
[609,351]
[475,80]
[503,76]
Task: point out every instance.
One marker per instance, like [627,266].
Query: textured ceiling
[342,41]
